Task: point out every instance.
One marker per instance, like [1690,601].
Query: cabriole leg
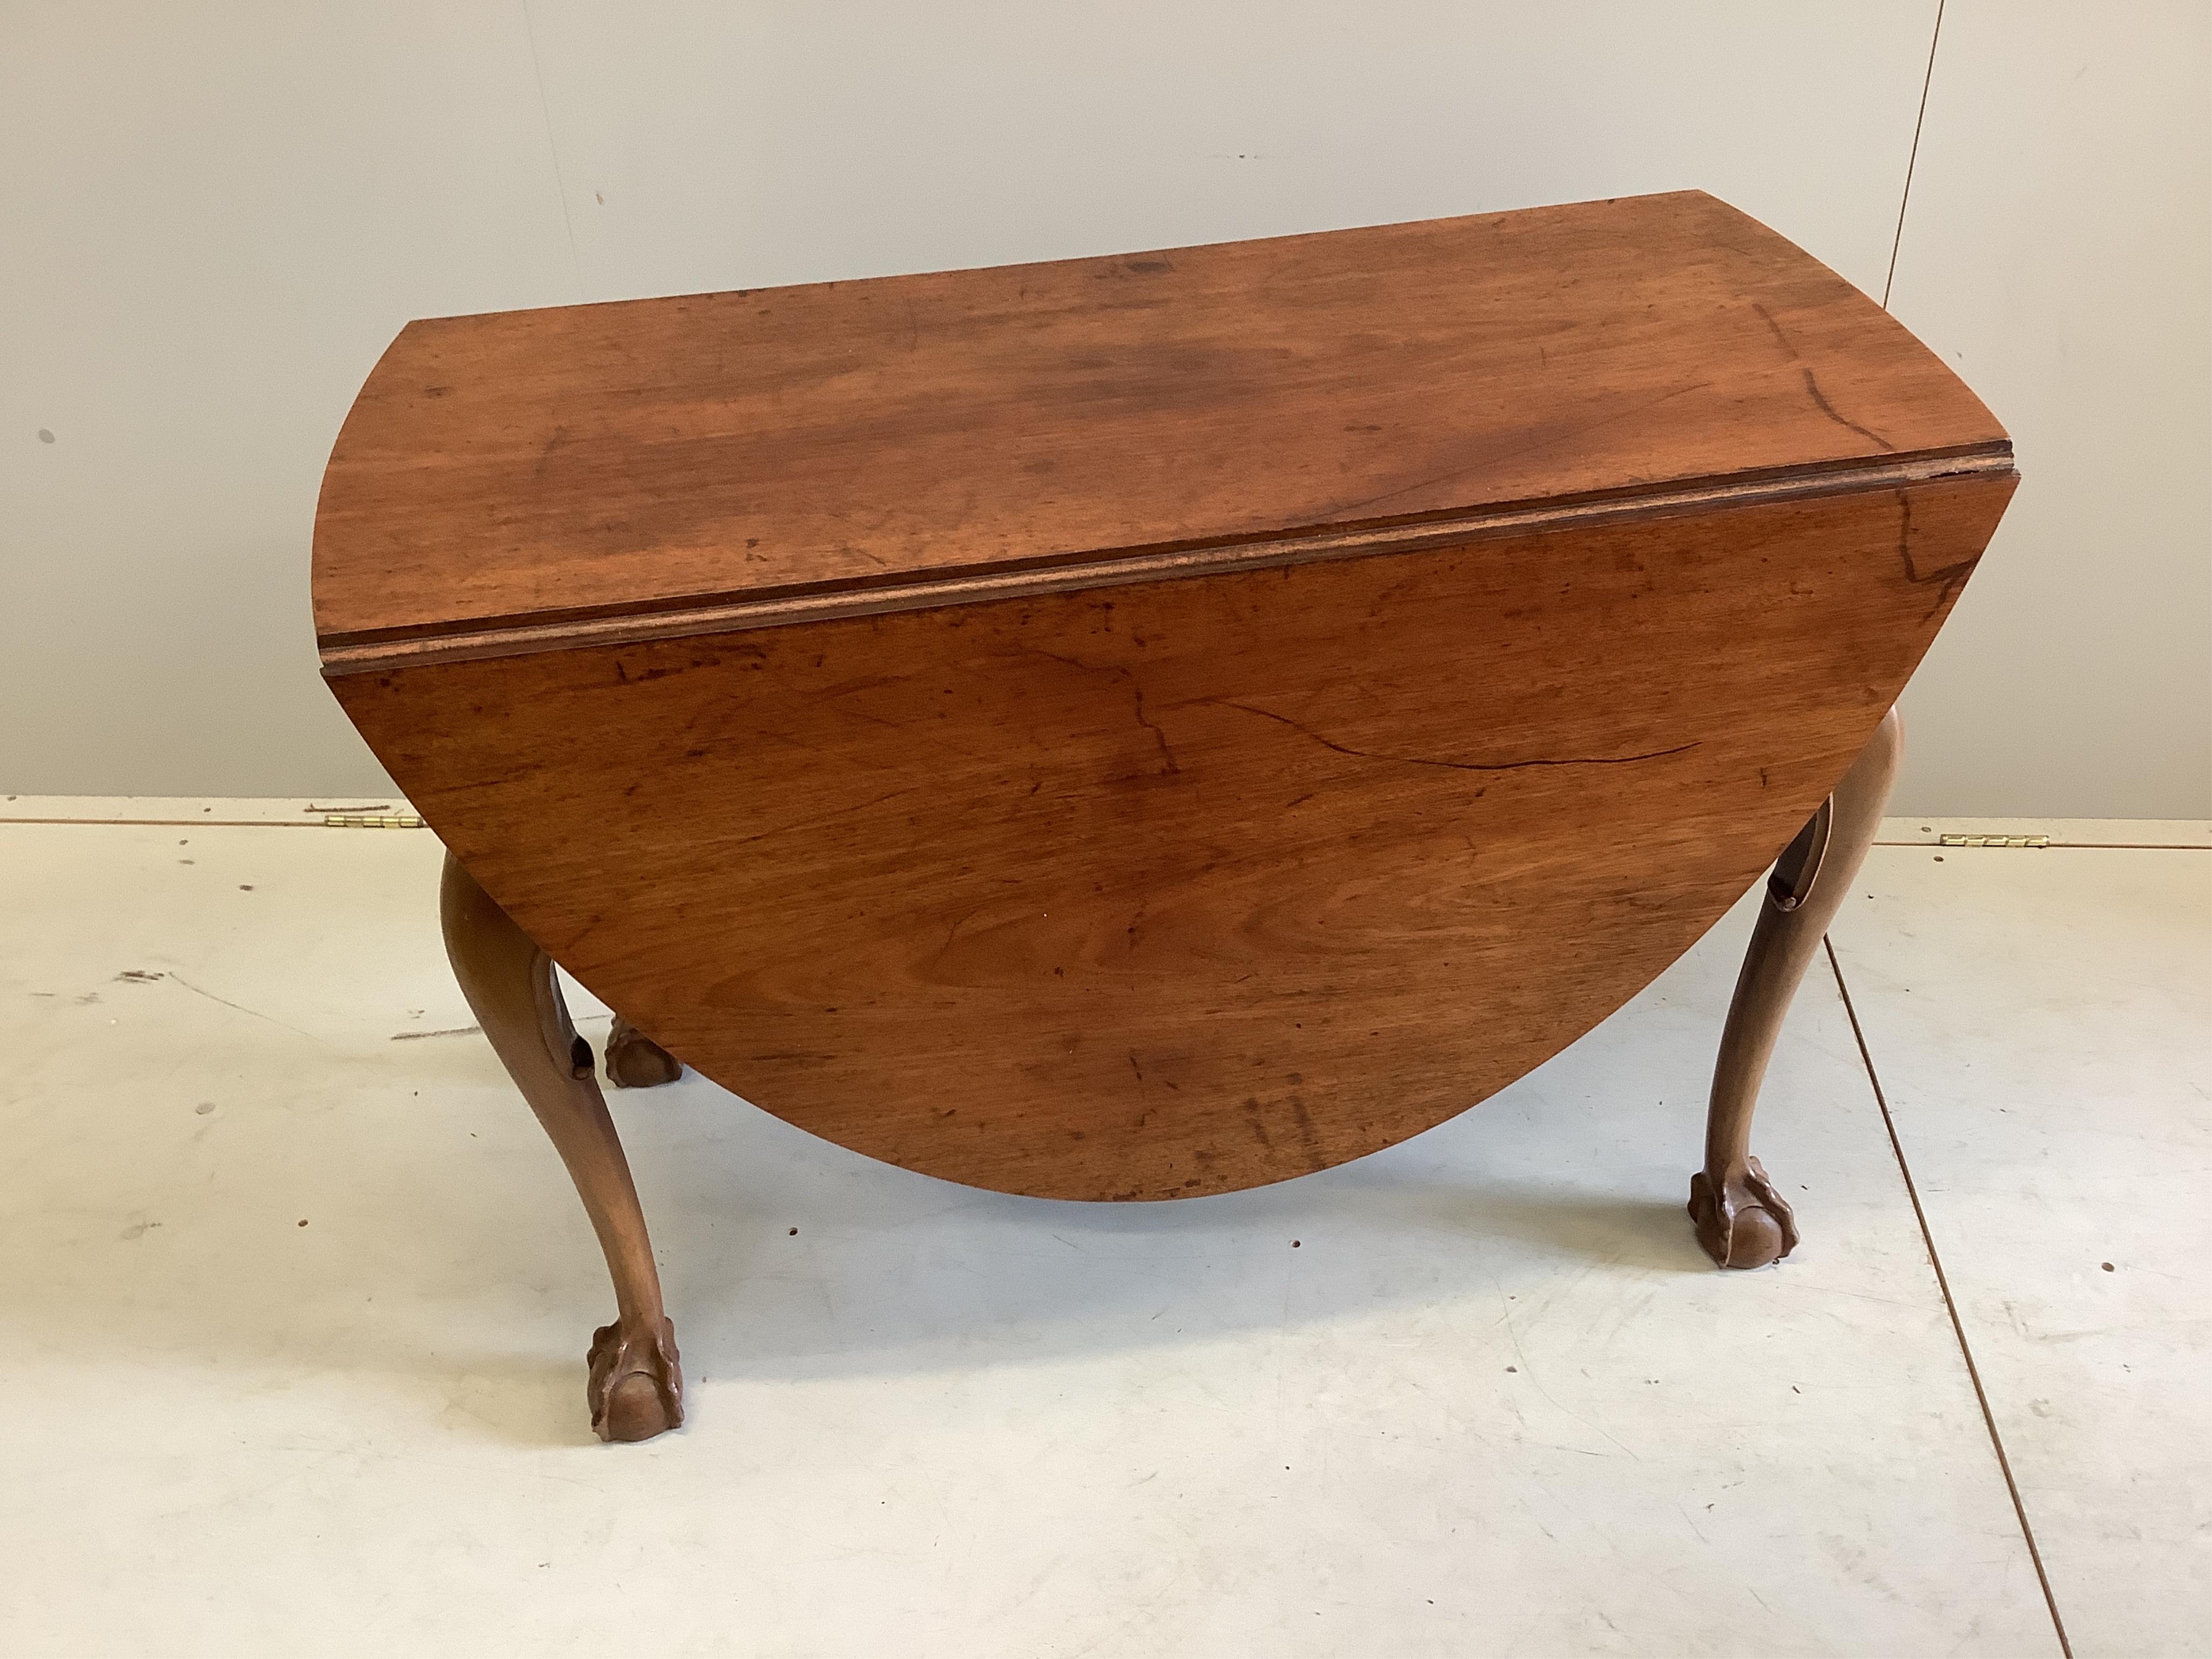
[636,1388]
[1742,1219]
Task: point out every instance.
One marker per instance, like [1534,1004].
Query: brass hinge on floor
[1993,841]
[367,820]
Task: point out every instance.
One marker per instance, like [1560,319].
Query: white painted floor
[297,1297]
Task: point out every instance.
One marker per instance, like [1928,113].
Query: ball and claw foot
[636,1388]
[1743,1223]
[635,1060]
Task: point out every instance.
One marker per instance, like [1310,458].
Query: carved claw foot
[636,1389]
[635,1060]
[1743,1223]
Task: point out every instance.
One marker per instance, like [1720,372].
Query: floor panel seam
[1950,1306]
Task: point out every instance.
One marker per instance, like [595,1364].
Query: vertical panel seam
[1905,197]
[560,184]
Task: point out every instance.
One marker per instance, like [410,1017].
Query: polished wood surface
[1742,1219]
[634,1385]
[1182,887]
[592,464]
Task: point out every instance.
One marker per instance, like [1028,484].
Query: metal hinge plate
[370,821]
[1993,841]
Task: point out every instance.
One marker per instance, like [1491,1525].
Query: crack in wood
[1456,766]
[1812,386]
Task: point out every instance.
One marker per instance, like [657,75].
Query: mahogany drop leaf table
[1140,727]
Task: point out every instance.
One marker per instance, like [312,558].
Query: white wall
[214,218]
[2057,249]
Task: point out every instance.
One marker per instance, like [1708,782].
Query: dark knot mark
[1456,766]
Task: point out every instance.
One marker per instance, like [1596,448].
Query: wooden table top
[527,479]
[1137,727]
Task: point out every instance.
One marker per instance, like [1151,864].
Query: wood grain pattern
[625,461]
[1194,885]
